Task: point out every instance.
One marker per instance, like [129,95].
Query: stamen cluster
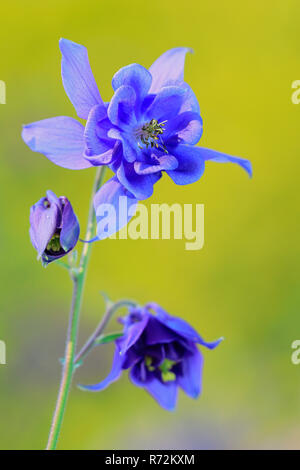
[150,135]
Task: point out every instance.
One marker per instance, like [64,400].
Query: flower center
[149,135]
[54,243]
[165,368]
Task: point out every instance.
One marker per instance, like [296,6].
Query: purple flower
[54,228]
[150,127]
[161,352]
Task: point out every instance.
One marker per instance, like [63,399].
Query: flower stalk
[78,276]
[112,308]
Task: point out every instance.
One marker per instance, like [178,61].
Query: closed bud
[54,228]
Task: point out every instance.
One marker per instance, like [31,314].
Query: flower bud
[54,228]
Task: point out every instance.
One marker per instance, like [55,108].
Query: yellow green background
[244,283]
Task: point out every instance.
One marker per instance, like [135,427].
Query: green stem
[79,281]
[101,327]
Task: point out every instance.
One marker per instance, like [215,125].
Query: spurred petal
[121,107]
[114,207]
[114,374]
[135,76]
[181,327]
[60,139]
[168,69]
[187,127]
[190,165]
[141,186]
[78,79]
[208,154]
[70,227]
[167,103]
[191,373]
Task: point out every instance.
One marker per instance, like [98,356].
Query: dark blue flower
[162,354]
[150,127]
[54,228]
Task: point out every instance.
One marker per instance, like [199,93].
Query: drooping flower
[54,228]
[150,126]
[161,354]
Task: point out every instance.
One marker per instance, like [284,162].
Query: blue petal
[43,223]
[190,378]
[135,76]
[166,162]
[141,186]
[116,212]
[93,143]
[100,149]
[187,127]
[208,154]
[178,349]
[147,102]
[53,199]
[32,238]
[132,334]
[105,158]
[70,227]
[157,333]
[190,102]
[165,393]
[168,68]
[181,327]
[60,139]
[77,77]
[134,314]
[139,374]
[114,374]
[167,103]
[121,107]
[190,165]
[131,358]
[129,144]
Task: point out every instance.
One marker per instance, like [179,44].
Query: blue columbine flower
[150,127]
[54,228]
[161,352]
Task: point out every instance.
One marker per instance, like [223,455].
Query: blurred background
[244,283]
